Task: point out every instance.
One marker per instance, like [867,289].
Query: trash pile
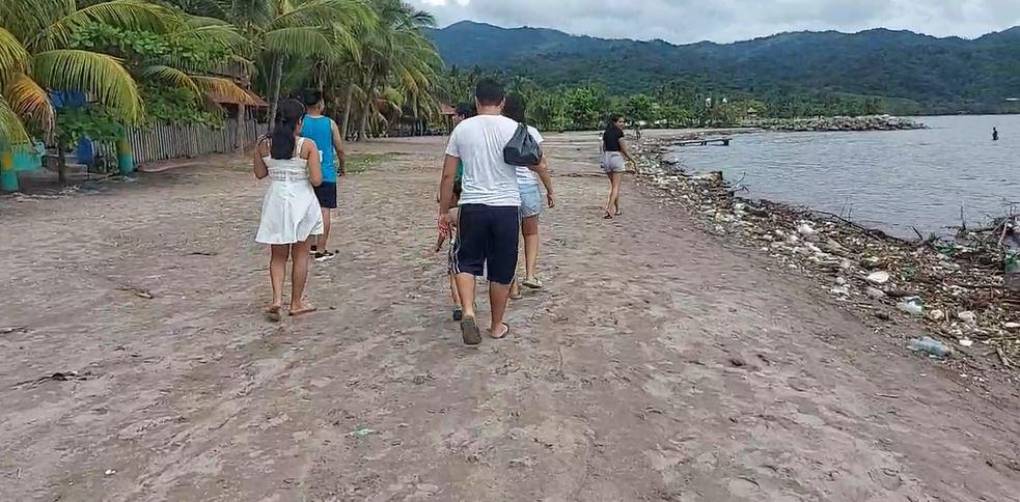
[956,287]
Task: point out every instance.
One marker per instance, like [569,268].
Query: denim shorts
[531,201]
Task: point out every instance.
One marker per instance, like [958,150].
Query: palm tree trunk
[363,128]
[274,101]
[61,164]
[370,95]
[344,126]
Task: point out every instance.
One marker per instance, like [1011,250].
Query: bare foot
[273,312]
[301,309]
[500,332]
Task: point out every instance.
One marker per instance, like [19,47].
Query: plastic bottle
[930,346]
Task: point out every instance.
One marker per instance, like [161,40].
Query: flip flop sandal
[532,283]
[469,331]
[504,335]
[607,216]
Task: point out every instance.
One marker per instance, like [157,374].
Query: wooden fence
[176,141]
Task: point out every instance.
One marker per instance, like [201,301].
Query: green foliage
[179,106]
[587,106]
[146,47]
[94,121]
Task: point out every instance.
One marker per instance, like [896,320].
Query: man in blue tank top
[325,133]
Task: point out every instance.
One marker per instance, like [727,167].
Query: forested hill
[915,73]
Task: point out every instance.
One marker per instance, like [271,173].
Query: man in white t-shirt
[488,230]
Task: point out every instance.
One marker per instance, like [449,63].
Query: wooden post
[8,176]
[125,157]
[61,163]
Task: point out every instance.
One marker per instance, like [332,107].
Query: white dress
[290,210]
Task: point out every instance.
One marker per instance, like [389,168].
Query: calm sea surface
[893,180]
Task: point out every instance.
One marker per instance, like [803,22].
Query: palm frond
[223,89]
[210,31]
[29,101]
[99,75]
[353,13]
[172,76]
[12,130]
[13,56]
[127,14]
[27,18]
[297,41]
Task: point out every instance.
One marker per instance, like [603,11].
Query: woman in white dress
[290,210]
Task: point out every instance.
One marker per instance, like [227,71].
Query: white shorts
[612,162]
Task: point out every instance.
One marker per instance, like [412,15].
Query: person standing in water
[290,211]
[326,134]
[614,152]
[531,198]
[995,134]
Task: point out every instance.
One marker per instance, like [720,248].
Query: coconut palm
[35,56]
[396,59]
[281,29]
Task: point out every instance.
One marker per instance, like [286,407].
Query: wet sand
[659,363]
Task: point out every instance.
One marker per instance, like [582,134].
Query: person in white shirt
[531,198]
[490,200]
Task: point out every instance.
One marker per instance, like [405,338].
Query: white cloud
[683,21]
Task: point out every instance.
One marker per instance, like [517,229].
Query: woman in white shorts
[531,199]
[615,155]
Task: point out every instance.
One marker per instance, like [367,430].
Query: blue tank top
[320,130]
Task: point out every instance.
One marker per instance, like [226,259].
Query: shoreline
[961,289]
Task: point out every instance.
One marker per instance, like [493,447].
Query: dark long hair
[612,121]
[282,140]
[514,107]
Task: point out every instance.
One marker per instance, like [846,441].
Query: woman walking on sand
[290,210]
[614,151]
[531,199]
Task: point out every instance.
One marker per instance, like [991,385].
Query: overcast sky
[684,21]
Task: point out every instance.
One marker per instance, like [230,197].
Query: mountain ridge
[935,74]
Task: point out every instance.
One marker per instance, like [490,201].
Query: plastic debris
[840,290]
[912,305]
[968,318]
[875,293]
[930,346]
[880,277]
[363,432]
[936,315]
[966,342]
[807,231]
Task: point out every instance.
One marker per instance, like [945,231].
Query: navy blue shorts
[487,240]
[326,193]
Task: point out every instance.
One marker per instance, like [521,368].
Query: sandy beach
[660,363]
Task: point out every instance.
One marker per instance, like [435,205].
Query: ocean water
[892,180]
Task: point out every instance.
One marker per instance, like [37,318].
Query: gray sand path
[659,364]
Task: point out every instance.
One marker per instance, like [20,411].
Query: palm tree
[279,29]
[397,59]
[35,56]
